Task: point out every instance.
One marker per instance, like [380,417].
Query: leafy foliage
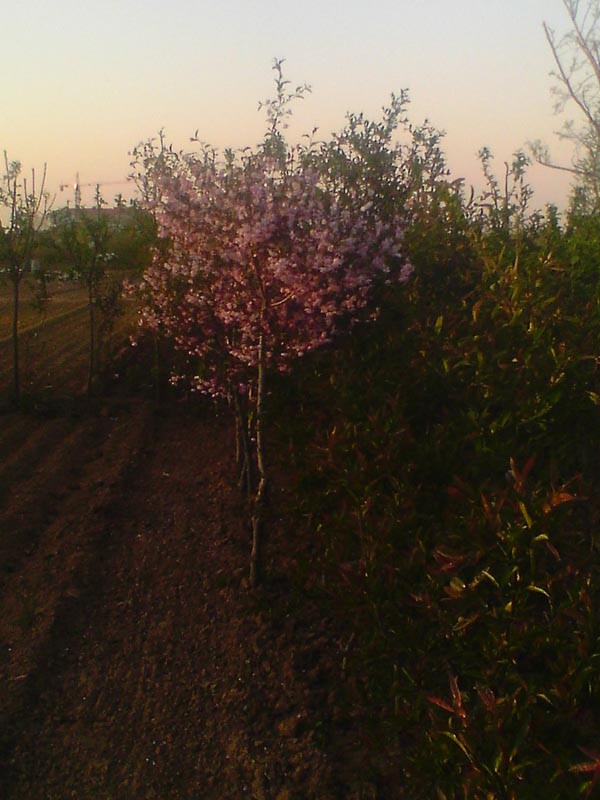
[447,461]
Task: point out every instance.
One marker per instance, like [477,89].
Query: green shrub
[447,463]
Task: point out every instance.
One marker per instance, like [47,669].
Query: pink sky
[88,81]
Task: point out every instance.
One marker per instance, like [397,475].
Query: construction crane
[77,187]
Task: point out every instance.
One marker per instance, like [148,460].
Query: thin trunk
[243,448]
[256,566]
[157,371]
[92,333]
[238,441]
[15,338]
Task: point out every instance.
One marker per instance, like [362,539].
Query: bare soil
[54,339]
[63,296]
[134,660]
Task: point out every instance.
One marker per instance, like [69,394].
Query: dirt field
[134,662]
[64,296]
[53,341]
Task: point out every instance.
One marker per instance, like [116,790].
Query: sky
[83,82]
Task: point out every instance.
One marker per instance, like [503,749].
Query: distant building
[116,218]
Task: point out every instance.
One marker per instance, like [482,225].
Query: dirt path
[134,662]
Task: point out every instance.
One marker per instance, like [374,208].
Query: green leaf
[454,738]
[490,577]
[457,586]
[545,698]
[538,590]
[498,761]
[520,739]
[525,513]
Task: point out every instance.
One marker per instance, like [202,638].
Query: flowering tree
[265,264]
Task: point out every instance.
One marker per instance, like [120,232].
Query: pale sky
[83,82]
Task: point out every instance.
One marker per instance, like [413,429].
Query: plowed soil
[54,340]
[134,660]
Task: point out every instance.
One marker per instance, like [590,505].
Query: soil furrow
[46,596]
[42,439]
[37,479]
[41,347]
[163,677]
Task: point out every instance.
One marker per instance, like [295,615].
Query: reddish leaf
[488,511]
[448,561]
[457,698]
[589,766]
[521,477]
[437,701]
[558,499]
[528,465]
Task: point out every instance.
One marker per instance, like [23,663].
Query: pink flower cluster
[261,252]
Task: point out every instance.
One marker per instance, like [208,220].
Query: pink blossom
[260,253]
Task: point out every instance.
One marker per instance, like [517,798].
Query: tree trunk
[91,363]
[157,371]
[243,448]
[256,565]
[15,337]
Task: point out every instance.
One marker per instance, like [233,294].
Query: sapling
[83,238]
[27,204]
[266,262]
